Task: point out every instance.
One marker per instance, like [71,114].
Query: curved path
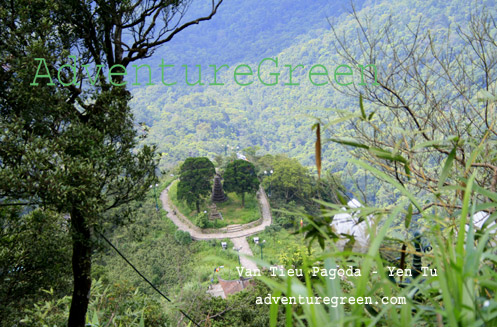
[185,224]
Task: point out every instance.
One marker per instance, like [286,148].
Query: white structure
[347,223]
[241,156]
[479,219]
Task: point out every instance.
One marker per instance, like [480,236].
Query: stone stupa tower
[217,191]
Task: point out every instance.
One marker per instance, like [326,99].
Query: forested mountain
[246,31]
[201,120]
[206,118]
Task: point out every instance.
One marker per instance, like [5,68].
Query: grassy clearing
[231,209]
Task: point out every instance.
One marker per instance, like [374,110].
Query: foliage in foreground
[34,255]
[460,287]
[118,304]
[463,293]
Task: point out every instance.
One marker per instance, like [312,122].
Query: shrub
[182,237]
[202,220]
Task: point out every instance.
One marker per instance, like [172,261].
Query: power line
[145,278]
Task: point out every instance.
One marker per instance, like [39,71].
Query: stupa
[217,191]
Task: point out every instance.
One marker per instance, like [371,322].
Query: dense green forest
[106,191]
[189,121]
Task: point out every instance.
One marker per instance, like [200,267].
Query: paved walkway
[185,224]
[241,242]
[238,237]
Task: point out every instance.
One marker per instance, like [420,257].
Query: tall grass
[461,293]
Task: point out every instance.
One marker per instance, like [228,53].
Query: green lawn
[231,210]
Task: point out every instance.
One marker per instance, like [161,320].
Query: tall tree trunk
[81,267]
[198,206]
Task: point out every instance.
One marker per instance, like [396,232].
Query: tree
[240,177]
[87,168]
[67,146]
[289,181]
[182,237]
[428,102]
[251,152]
[195,182]
[34,256]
